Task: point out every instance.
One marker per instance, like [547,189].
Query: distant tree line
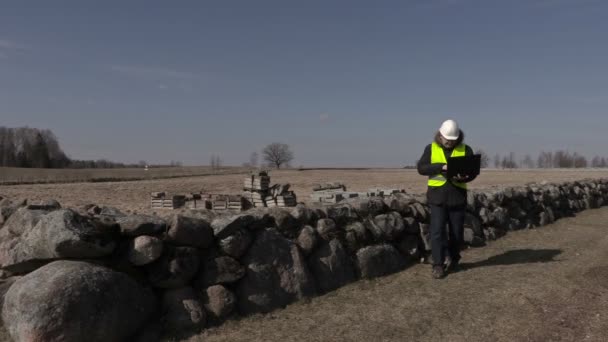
[39,148]
[545,160]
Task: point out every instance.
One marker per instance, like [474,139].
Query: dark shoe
[453,266]
[438,272]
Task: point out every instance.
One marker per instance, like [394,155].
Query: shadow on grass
[518,256]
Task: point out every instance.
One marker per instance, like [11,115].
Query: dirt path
[546,284]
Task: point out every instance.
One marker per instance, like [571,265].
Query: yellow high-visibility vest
[438,157]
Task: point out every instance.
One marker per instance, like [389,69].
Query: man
[447,198]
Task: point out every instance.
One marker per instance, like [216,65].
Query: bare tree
[215,162]
[603,162]
[527,162]
[509,162]
[580,161]
[497,161]
[545,160]
[485,160]
[277,154]
[596,161]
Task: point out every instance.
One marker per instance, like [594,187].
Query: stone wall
[72,271]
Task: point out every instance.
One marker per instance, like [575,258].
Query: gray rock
[54,303]
[221,270]
[307,240]
[219,301]
[304,215]
[401,204]
[6,284]
[471,239]
[23,220]
[420,212]
[111,212]
[8,207]
[59,234]
[484,216]
[236,244]
[387,227]
[183,311]
[136,225]
[144,250]
[176,267]
[331,266]
[328,230]
[223,227]
[276,274]
[189,231]
[342,214]
[286,224]
[201,214]
[500,218]
[379,260]
[357,237]
[492,233]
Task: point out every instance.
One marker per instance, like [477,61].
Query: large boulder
[331,266]
[285,223]
[59,234]
[328,230]
[379,260]
[219,301]
[144,250]
[276,274]
[236,244]
[23,220]
[175,268]
[342,214]
[304,215]
[137,225]
[183,311]
[76,301]
[225,226]
[6,284]
[307,239]
[9,207]
[387,227]
[221,270]
[189,231]
[357,236]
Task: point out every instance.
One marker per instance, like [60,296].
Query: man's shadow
[518,256]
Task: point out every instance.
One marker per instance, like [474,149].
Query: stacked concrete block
[255,189]
[160,200]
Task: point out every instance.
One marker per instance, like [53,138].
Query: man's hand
[444,167]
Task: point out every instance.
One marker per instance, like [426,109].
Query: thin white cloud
[324,118]
[151,72]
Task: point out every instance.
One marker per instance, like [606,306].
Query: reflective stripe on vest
[438,157]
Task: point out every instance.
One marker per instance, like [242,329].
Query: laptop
[467,165]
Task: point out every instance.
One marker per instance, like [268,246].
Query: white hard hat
[449,130]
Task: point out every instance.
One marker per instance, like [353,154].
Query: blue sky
[345,83]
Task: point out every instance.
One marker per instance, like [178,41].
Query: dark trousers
[446,243]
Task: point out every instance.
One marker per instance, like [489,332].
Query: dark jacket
[449,194]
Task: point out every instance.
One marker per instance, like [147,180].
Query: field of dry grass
[134,195]
[13,176]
